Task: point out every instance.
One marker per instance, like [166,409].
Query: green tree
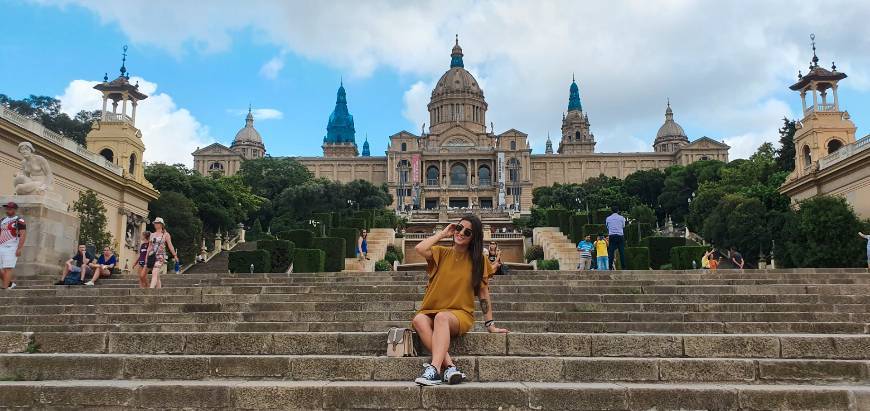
[180,214]
[165,177]
[269,176]
[739,222]
[786,153]
[646,185]
[47,110]
[92,220]
[821,233]
[643,214]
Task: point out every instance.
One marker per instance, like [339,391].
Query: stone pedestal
[52,234]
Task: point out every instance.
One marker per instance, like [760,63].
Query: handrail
[36,128]
[845,152]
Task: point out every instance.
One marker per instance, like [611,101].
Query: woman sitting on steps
[456,275]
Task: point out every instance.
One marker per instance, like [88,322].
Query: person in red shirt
[13,233]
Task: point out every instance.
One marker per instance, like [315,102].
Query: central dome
[457,98]
[670,128]
[248,132]
[457,80]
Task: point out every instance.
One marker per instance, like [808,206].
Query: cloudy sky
[725,66]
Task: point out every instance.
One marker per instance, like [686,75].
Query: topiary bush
[367,215]
[682,257]
[565,222]
[660,249]
[325,218]
[353,222]
[553,217]
[383,265]
[308,260]
[548,264]
[240,261]
[594,230]
[534,252]
[600,215]
[577,221]
[350,236]
[280,251]
[631,234]
[334,248]
[637,258]
[395,252]
[300,238]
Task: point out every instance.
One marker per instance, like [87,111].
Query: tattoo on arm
[484,306]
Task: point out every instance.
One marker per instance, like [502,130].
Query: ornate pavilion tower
[115,136]
[340,140]
[576,137]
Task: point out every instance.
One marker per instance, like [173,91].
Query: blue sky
[726,71]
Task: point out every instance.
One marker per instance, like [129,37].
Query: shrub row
[308,260]
[682,257]
[660,249]
[334,248]
[241,261]
[280,252]
[548,264]
[300,238]
[350,236]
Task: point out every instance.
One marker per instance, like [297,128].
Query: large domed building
[219,159]
[459,160]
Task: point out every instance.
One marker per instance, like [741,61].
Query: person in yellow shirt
[601,252]
[456,275]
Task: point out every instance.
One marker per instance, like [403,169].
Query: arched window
[513,145]
[705,158]
[404,147]
[808,159]
[432,176]
[216,166]
[577,136]
[458,175]
[132,167]
[108,155]
[484,176]
[834,145]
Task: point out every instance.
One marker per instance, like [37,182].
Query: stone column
[804,100]
[836,102]
[815,98]
[133,102]
[105,102]
[124,104]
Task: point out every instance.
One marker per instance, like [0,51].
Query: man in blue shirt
[615,229]
[104,266]
[585,248]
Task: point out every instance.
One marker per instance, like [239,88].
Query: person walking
[362,246]
[736,258]
[456,275]
[866,237]
[585,247]
[615,230]
[601,253]
[13,233]
[143,259]
[156,260]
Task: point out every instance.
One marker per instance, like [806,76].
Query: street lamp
[316,223]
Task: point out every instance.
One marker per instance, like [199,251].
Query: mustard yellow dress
[449,287]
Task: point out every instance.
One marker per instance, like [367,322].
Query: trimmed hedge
[553,217]
[350,236]
[240,261]
[594,230]
[631,233]
[383,265]
[334,248]
[281,253]
[682,257]
[534,252]
[600,215]
[394,254]
[637,258]
[548,264]
[660,249]
[576,224]
[354,222]
[300,238]
[367,215]
[308,260]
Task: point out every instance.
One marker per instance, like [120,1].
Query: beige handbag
[400,343]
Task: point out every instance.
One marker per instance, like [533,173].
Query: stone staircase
[378,240]
[557,246]
[728,340]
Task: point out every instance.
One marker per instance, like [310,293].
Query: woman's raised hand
[448,231]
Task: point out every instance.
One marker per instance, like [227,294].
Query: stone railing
[845,152]
[507,236]
[117,118]
[40,130]
[417,236]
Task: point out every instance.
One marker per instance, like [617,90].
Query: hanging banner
[500,171]
[415,168]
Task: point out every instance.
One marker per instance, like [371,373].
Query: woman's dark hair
[475,249]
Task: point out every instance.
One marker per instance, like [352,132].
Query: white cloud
[710,58]
[272,68]
[259,113]
[170,133]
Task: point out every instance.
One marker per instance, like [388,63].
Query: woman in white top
[156,260]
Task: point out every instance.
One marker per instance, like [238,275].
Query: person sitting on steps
[456,275]
[76,267]
[102,268]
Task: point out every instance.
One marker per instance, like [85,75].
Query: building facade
[460,161]
[217,158]
[828,158]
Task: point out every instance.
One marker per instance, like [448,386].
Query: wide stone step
[37,367]
[785,346]
[272,394]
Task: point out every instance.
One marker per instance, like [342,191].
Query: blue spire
[340,128]
[365,151]
[574,96]
[456,55]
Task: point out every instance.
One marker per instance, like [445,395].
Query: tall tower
[825,127]
[365,151]
[114,135]
[549,146]
[457,98]
[340,140]
[576,137]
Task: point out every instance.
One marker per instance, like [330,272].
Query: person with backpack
[13,233]
[76,268]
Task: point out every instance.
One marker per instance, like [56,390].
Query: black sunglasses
[462,230]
